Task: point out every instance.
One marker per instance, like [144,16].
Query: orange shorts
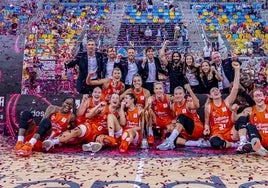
[90,131]
[264,139]
[227,135]
[163,122]
[197,132]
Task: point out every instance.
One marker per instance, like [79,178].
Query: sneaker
[109,141]
[123,146]
[26,150]
[92,146]
[150,139]
[202,143]
[18,145]
[47,144]
[144,144]
[244,147]
[258,148]
[166,145]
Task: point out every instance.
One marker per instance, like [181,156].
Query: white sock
[55,141]
[234,145]
[191,143]
[33,141]
[150,132]
[243,139]
[21,138]
[174,135]
[111,134]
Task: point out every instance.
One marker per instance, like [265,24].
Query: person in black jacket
[150,68]
[88,61]
[110,62]
[129,67]
[225,69]
[174,66]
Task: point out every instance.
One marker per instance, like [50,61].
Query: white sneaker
[244,147]
[202,143]
[258,148]
[47,144]
[92,146]
[166,145]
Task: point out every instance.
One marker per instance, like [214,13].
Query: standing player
[109,86]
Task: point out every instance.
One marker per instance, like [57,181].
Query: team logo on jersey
[165,105]
[135,115]
[142,97]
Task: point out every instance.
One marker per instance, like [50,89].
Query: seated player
[188,128]
[56,120]
[96,131]
[131,121]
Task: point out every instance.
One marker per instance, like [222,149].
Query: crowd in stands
[14,17]
[55,38]
[241,23]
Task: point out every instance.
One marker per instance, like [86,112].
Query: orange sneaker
[109,141]
[18,145]
[123,146]
[26,150]
[150,139]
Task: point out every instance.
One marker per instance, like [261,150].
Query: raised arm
[162,55]
[207,124]
[194,104]
[232,96]
[83,106]
[95,82]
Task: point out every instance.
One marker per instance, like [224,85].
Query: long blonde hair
[210,73]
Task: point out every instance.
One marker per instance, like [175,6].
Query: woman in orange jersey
[56,120]
[257,127]
[87,103]
[218,121]
[159,109]
[141,94]
[95,131]
[109,86]
[188,128]
[131,121]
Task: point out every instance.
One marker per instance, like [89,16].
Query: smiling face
[67,105]
[258,97]
[111,53]
[216,57]
[117,74]
[245,80]
[129,101]
[205,67]
[176,57]
[215,93]
[114,101]
[150,53]
[131,54]
[189,60]
[179,94]
[96,94]
[91,46]
[137,82]
[158,89]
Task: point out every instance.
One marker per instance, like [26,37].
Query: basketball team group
[125,105]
